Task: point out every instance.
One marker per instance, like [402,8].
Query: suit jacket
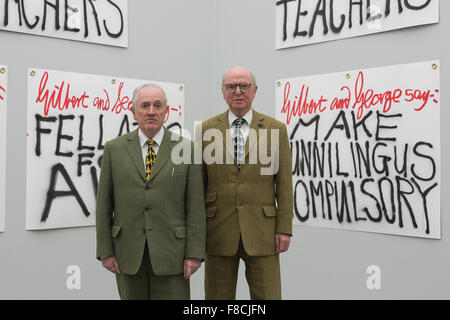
[168,211]
[245,203]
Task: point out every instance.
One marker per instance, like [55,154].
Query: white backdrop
[366,148]
[70,118]
[3,109]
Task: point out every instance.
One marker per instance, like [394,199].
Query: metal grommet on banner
[348,76]
[278,83]
[2,70]
[32,73]
[434,66]
[113,81]
[181,88]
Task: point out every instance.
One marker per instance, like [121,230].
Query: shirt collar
[248,117]
[157,138]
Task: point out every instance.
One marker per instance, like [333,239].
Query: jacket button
[143,230]
[147,187]
[147,208]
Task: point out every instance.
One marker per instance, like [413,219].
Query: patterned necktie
[150,158]
[238,141]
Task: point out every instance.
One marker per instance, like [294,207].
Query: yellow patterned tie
[150,158]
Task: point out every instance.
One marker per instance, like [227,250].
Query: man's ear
[167,110]
[132,111]
[223,92]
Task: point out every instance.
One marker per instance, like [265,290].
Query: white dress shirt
[245,129]
[143,142]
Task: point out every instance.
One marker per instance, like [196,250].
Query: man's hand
[191,266]
[282,242]
[111,264]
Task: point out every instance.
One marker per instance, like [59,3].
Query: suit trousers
[262,273]
[145,285]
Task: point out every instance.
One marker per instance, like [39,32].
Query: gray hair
[251,74]
[147,85]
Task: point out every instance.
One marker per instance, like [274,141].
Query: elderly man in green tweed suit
[150,212]
[249,210]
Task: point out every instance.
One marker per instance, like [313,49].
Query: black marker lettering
[350,16]
[55,6]
[82,163]
[284,3]
[52,194]
[118,34]
[40,130]
[297,213]
[31,26]
[297,21]
[333,28]
[62,136]
[413,171]
[319,12]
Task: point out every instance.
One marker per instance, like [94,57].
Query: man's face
[150,110]
[238,101]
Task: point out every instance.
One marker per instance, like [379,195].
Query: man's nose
[238,90]
[152,110]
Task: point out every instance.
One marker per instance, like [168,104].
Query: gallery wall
[194,43]
[165,43]
[329,263]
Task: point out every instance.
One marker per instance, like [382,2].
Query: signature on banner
[360,98]
[61,99]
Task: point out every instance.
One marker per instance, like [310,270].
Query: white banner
[70,118]
[366,148]
[3,109]
[301,22]
[100,21]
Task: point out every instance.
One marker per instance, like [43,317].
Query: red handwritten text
[369,98]
[53,97]
[343,102]
[300,104]
[2,89]
[360,99]
[173,109]
[102,104]
[122,103]
[417,94]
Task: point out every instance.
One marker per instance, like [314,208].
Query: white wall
[168,41]
[329,263]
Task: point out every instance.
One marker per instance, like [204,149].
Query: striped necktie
[150,158]
[238,141]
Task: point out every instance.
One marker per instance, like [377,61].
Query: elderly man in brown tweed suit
[248,211]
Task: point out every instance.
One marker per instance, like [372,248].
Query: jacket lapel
[255,126]
[224,127]
[163,153]
[135,152]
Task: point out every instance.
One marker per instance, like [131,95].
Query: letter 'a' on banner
[3,107]
[366,148]
[101,21]
[70,117]
[300,22]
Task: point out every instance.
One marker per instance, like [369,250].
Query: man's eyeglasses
[231,87]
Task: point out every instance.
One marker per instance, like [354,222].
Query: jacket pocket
[270,211]
[178,170]
[211,197]
[115,231]
[180,232]
[210,212]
